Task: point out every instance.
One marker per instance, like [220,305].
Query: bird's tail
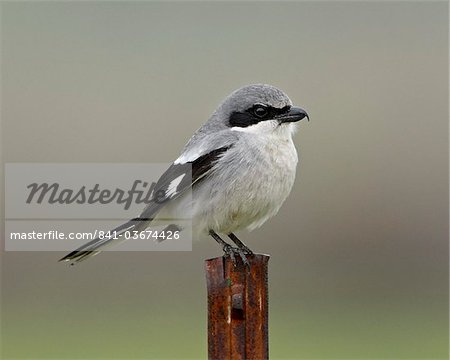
[95,246]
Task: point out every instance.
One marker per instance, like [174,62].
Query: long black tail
[95,246]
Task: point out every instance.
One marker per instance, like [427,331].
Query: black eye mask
[255,114]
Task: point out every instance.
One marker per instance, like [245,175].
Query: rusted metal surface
[237,308]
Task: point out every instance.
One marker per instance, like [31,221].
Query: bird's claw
[233,251]
[246,250]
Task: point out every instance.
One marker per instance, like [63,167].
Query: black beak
[294,114]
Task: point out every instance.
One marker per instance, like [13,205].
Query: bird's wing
[179,177]
[206,140]
[198,157]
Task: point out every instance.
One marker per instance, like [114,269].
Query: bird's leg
[229,250]
[240,244]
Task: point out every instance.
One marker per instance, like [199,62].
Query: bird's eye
[260,111]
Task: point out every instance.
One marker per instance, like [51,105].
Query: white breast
[248,185]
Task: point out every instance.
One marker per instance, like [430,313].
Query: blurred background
[359,252]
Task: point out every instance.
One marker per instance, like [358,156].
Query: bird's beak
[294,114]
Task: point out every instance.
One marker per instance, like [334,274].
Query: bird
[238,169]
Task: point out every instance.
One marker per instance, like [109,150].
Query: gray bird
[240,167]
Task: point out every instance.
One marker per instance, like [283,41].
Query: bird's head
[260,109]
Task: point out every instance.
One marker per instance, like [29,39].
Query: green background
[359,252]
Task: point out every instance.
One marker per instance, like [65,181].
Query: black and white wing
[179,177]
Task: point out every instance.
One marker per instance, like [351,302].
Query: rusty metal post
[237,308]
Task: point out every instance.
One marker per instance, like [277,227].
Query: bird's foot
[240,244]
[233,252]
[246,250]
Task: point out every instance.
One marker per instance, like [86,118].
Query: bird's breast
[249,185]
